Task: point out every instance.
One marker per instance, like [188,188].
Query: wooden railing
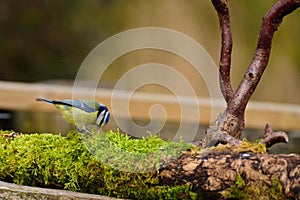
[21,97]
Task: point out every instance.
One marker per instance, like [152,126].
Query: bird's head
[103,115]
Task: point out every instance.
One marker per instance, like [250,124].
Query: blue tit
[82,113]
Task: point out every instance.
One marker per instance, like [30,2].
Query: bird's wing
[85,105]
[82,105]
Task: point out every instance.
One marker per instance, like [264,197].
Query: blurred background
[47,40]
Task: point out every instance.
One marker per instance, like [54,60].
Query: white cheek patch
[105,117]
[100,117]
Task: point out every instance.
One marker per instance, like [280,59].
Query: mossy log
[218,175]
[111,165]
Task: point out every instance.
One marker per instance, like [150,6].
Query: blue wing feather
[77,104]
[73,103]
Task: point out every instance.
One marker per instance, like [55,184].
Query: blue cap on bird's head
[103,115]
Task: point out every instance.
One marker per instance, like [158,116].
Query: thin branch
[270,138]
[225,57]
[260,60]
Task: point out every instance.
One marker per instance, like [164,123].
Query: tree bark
[226,48]
[270,24]
[213,173]
[229,125]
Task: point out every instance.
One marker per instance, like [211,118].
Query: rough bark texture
[213,173]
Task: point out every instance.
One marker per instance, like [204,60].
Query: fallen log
[220,174]
[114,165]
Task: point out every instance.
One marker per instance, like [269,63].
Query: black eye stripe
[102,120]
[100,115]
[103,117]
[101,109]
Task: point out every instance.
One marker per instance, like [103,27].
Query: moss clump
[255,190]
[92,165]
[123,153]
[244,146]
[47,160]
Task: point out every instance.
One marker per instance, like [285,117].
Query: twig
[270,138]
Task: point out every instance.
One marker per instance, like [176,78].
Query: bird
[83,114]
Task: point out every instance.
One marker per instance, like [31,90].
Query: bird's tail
[46,100]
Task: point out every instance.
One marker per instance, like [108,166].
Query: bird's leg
[89,130]
[84,130]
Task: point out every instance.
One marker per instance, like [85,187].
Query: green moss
[123,153]
[276,190]
[109,166]
[244,146]
[236,191]
[255,190]
[240,183]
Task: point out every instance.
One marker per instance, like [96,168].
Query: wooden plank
[14,191]
[21,96]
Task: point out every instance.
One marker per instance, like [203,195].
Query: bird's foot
[88,131]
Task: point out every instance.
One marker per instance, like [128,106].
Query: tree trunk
[230,124]
[217,174]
